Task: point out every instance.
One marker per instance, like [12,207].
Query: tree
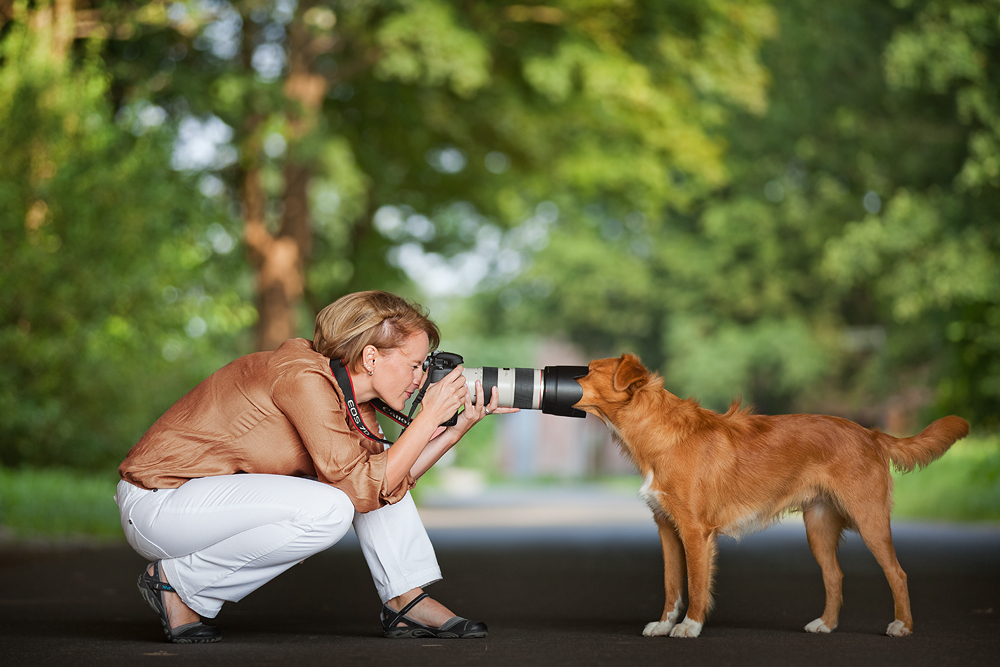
[459,115]
[933,257]
[105,259]
[849,265]
[341,143]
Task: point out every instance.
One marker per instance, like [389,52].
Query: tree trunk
[57,21]
[276,261]
[279,261]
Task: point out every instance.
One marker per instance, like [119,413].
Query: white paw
[686,628]
[658,628]
[819,626]
[897,629]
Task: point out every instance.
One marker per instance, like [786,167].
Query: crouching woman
[263,465]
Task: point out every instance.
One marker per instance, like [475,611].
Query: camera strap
[347,386]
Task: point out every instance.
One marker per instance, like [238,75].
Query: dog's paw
[819,626]
[897,629]
[686,628]
[658,628]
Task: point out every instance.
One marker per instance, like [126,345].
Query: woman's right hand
[445,397]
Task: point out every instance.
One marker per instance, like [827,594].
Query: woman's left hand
[444,438]
[475,411]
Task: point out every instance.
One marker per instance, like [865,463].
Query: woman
[262,465]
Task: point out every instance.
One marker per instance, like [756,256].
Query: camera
[553,389]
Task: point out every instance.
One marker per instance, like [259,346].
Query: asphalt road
[551,595]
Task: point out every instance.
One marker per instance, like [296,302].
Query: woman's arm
[417,442]
[450,436]
[340,456]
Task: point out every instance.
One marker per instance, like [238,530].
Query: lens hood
[562,391]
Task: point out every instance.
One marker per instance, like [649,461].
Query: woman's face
[398,371]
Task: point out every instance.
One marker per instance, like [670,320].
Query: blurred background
[791,202]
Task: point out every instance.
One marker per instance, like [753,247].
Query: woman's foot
[428,611]
[178,612]
[415,614]
[180,623]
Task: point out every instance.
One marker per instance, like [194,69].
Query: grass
[964,485]
[58,504]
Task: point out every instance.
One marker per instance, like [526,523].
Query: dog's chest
[651,496]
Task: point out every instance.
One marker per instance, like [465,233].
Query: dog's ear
[630,374]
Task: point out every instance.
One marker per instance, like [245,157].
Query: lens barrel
[553,390]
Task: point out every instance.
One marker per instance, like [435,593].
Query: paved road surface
[576,594]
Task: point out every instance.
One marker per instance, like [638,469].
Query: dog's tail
[929,444]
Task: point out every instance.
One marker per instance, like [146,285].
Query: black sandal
[190,633]
[455,627]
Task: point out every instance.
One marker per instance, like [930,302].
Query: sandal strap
[413,603]
[393,617]
[153,580]
[181,629]
[455,622]
[160,585]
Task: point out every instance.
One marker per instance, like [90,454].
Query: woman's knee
[330,509]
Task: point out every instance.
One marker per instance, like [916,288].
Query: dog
[707,474]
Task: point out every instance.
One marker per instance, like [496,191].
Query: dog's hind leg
[877,534]
[699,555]
[673,579]
[870,514]
[824,525]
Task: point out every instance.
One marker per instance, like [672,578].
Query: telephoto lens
[554,389]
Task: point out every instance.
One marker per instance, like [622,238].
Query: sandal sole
[414,633]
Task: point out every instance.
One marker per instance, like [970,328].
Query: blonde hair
[352,322]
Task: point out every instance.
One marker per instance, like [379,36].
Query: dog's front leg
[673,579]
[699,552]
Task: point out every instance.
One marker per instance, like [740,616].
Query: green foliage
[853,254]
[792,201]
[424,43]
[104,262]
[950,49]
[718,358]
[916,262]
[464,116]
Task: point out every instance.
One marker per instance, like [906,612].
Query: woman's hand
[477,410]
[444,439]
[445,397]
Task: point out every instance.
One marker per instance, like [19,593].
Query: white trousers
[220,538]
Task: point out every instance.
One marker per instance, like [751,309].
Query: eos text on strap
[347,386]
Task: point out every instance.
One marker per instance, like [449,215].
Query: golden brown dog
[708,474]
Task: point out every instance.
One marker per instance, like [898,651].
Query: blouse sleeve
[315,410]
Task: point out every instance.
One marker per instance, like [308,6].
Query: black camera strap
[347,386]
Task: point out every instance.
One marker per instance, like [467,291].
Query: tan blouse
[279,413]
